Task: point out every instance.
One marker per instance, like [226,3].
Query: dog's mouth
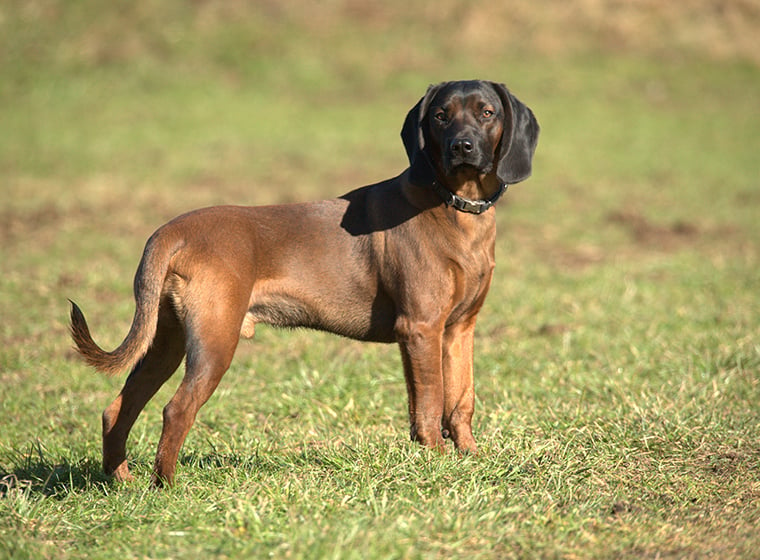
[469,168]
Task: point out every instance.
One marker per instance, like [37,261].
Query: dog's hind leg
[147,377]
[213,329]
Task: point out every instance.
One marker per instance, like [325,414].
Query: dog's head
[474,124]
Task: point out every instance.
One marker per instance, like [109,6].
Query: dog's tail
[148,284]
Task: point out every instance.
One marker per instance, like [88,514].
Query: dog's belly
[361,317]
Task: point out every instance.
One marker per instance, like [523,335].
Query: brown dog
[408,260]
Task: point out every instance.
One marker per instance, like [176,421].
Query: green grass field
[618,354]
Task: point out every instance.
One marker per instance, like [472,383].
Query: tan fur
[388,263]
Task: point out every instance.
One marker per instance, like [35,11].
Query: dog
[407,260]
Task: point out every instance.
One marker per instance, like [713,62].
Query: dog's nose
[461,146]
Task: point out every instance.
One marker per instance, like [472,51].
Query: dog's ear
[413,137]
[518,140]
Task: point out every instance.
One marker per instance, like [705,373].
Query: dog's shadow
[42,475]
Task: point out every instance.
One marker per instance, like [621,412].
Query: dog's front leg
[458,384]
[420,345]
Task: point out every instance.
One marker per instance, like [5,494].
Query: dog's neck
[465,192]
[466,189]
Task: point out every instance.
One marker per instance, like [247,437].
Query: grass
[617,356]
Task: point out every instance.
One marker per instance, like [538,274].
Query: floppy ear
[518,140]
[413,137]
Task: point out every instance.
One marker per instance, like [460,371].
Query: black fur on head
[515,151]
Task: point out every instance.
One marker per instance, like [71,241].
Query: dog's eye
[487,113]
[440,116]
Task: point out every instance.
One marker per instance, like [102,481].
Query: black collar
[465,204]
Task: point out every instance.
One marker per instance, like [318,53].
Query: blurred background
[259,101]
